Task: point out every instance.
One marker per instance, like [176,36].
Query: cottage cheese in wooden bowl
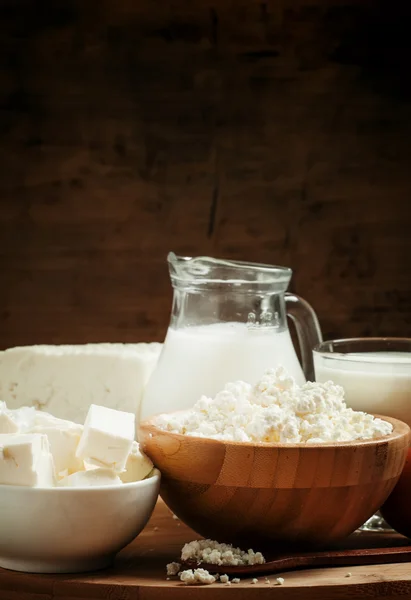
[275,462]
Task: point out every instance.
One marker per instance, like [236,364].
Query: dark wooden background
[273,131]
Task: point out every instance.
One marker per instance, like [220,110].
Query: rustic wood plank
[272,131]
[139,573]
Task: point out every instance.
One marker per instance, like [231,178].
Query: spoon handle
[334,558]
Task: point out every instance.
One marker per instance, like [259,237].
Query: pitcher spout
[205,269]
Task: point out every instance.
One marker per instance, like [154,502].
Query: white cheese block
[25,459]
[107,437]
[90,478]
[65,380]
[138,465]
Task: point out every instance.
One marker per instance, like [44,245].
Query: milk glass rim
[401,344]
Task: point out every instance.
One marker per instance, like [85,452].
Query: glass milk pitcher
[228,323]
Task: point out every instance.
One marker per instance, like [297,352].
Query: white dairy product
[201,359]
[138,465]
[8,424]
[25,417]
[280,580]
[173,569]
[65,380]
[63,436]
[225,579]
[91,478]
[193,577]
[107,437]
[25,459]
[377,382]
[109,442]
[276,410]
[63,445]
[214,553]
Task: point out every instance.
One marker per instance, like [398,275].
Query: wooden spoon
[333,558]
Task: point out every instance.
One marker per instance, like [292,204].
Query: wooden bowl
[290,494]
[396,510]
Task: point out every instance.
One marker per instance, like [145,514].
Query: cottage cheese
[193,577]
[214,553]
[276,410]
[173,568]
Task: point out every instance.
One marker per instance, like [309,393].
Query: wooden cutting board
[139,574]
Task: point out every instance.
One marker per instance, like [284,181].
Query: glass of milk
[376,376]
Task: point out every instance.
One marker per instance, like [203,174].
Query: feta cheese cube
[90,478]
[63,436]
[138,465]
[63,446]
[107,437]
[7,423]
[25,459]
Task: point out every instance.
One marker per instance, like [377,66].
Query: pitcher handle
[308,330]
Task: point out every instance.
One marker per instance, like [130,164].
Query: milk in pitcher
[202,359]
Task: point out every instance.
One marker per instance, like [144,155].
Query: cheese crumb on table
[236,580]
[215,553]
[193,577]
[254,580]
[349,574]
[276,410]
[280,581]
[224,579]
[107,437]
[173,568]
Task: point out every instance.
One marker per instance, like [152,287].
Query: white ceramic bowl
[68,530]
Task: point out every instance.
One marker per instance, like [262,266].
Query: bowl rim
[400,429]
[321,348]
[146,482]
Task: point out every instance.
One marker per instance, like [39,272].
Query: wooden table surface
[139,574]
